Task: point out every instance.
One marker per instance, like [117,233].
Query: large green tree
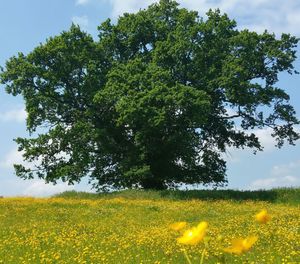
[149,103]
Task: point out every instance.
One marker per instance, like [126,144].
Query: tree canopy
[154,102]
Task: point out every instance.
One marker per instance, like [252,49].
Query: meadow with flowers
[137,227]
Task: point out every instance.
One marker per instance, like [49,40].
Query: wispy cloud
[275,182]
[128,6]
[40,188]
[16,157]
[82,2]
[257,15]
[234,155]
[283,175]
[264,136]
[12,186]
[286,169]
[28,188]
[81,21]
[12,157]
[14,115]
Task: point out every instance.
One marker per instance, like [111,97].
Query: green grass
[280,195]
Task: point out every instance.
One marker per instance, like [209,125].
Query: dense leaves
[154,102]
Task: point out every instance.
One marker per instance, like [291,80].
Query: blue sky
[25,24]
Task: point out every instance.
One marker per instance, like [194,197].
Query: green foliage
[148,104]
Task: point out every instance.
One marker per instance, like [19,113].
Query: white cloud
[275,16]
[128,6]
[81,21]
[81,2]
[269,183]
[15,115]
[286,169]
[12,186]
[12,157]
[284,175]
[265,138]
[40,188]
[234,155]
[16,157]
[29,188]
[33,187]
[267,141]
[256,15]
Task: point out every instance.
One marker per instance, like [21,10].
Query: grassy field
[134,227]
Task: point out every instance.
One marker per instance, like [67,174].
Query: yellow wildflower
[178,226]
[262,217]
[194,235]
[240,246]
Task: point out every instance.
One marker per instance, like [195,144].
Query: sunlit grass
[119,229]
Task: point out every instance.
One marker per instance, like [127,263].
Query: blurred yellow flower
[220,238]
[240,246]
[178,226]
[262,217]
[194,235]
